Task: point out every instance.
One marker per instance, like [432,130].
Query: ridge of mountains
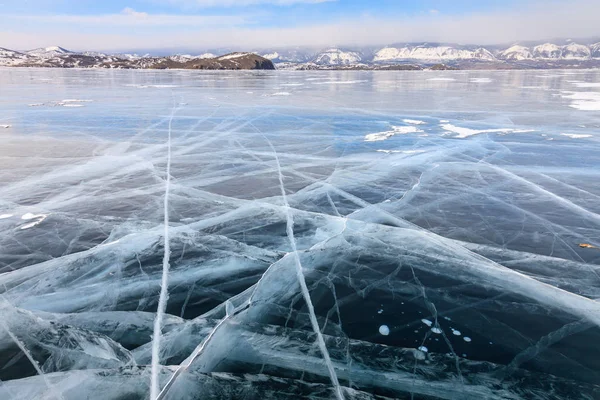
[561,54]
[59,57]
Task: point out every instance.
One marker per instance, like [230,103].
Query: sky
[173,25]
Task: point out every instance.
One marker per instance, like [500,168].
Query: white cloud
[130,11]
[238,3]
[131,18]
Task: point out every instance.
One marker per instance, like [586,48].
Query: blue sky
[239,24]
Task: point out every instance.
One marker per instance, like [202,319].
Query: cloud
[539,21]
[132,18]
[237,3]
[131,12]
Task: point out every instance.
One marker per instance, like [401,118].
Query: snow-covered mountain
[337,57]
[11,57]
[516,53]
[556,54]
[595,50]
[49,52]
[431,53]
[187,57]
[574,51]
[547,51]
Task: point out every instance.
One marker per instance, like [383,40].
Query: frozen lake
[356,235]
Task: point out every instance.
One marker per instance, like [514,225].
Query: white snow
[467,339]
[413,122]
[547,51]
[576,136]
[481,80]
[396,130]
[516,53]
[338,82]
[463,133]
[436,53]
[584,101]
[437,331]
[401,151]
[442,79]
[233,56]
[423,349]
[427,322]
[587,84]
[5,216]
[337,57]
[455,332]
[271,56]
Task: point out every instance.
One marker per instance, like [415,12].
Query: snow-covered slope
[516,53]
[337,57]
[431,53]
[547,51]
[595,50]
[49,52]
[11,57]
[271,56]
[574,51]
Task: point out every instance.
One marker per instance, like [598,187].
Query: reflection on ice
[297,257]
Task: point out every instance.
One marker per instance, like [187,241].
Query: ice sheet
[335,242]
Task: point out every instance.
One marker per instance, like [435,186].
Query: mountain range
[59,57]
[561,54]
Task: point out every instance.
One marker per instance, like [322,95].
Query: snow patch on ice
[396,130]
[586,84]
[441,79]
[281,94]
[5,216]
[427,322]
[576,136]
[437,331]
[401,151]
[481,80]
[463,133]
[339,82]
[455,332]
[584,101]
[413,122]
[467,339]
[423,349]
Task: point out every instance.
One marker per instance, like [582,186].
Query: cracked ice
[203,238]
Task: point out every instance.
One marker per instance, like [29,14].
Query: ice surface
[295,257]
